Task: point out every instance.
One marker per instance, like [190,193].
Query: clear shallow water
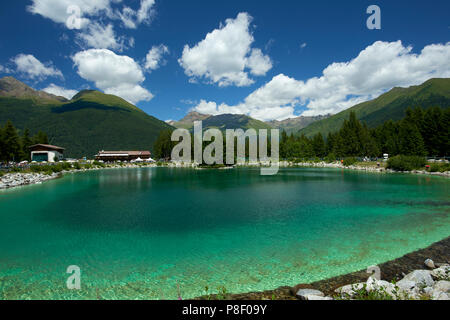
[138,233]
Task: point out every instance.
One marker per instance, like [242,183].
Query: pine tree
[41,138]
[26,143]
[12,147]
[410,140]
[2,144]
[283,145]
[162,148]
[318,145]
[350,133]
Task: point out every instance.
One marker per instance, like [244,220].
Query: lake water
[141,233]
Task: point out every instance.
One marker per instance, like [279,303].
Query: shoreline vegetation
[37,174]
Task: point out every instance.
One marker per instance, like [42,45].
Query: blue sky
[265,59]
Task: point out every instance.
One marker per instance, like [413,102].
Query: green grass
[370,164]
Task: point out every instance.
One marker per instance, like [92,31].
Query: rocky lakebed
[420,275]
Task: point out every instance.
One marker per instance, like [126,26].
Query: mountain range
[389,106]
[239,121]
[93,121]
[89,122]
[292,125]
[221,122]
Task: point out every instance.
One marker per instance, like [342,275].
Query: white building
[46,152]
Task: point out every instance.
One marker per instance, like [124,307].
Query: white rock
[304,293]
[314,297]
[428,291]
[440,264]
[406,285]
[349,290]
[440,296]
[442,286]
[441,273]
[381,285]
[430,264]
[421,278]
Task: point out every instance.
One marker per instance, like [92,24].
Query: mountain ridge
[221,121]
[13,88]
[89,122]
[388,106]
[292,125]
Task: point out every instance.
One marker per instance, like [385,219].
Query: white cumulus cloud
[225,55]
[101,37]
[57,10]
[112,73]
[4,69]
[154,57]
[33,68]
[132,18]
[145,11]
[378,68]
[60,91]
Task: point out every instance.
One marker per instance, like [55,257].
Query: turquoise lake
[140,233]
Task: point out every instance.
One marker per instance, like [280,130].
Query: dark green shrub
[99,164]
[56,168]
[406,163]
[66,166]
[439,167]
[330,158]
[349,161]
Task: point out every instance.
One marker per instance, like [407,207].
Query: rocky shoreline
[338,165]
[16,179]
[414,280]
[12,180]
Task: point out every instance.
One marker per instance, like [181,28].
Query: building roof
[46,146]
[124,153]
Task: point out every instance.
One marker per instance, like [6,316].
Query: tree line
[422,132]
[14,144]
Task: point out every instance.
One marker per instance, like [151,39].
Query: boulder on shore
[303,294]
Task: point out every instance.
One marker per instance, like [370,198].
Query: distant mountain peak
[12,88]
[194,116]
[293,125]
[221,121]
[83,93]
